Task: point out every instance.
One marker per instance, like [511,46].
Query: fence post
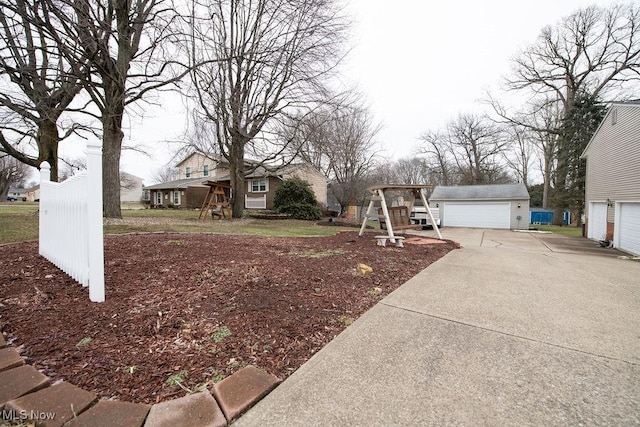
[94,226]
[45,173]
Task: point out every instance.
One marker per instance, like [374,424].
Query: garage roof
[481,192]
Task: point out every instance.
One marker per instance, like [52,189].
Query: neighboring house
[198,165]
[612,196]
[185,193]
[17,194]
[261,184]
[33,194]
[130,187]
[482,206]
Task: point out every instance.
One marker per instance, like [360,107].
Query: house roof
[481,192]
[632,104]
[213,157]
[179,183]
[262,172]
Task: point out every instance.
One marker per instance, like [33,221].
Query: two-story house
[612,199]
[189,190]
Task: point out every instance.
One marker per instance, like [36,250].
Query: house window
[176,197]
[205,170]
[258,186]
[187,172]
[614,116]
[146,196]
[158,197]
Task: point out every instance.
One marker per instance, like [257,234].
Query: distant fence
[71,235]
[545,216]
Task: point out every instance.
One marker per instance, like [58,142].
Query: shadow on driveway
[573,244]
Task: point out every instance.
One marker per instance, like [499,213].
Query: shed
[612,197]
[482,206]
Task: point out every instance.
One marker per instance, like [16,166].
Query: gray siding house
[482,206]
[612,195]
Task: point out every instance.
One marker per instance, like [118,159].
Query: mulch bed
[192,309]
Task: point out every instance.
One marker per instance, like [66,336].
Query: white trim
[616,223]
[617,220]
[250,185]
[590,219]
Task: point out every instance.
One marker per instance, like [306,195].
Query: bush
[302,211]
[294,190]
[295,197]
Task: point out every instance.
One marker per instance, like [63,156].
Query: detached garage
[612,197]
[482,206]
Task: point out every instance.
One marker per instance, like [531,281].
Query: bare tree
[594,51]
[520,151]
[129,46]
[412,170]
[341,142]
[476,145]
[261,60]
[165,174]
[12,172]
[38,85]
[436,149]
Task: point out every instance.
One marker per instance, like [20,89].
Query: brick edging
[28,394]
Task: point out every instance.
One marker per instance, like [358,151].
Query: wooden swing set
[395,218]
[215,201]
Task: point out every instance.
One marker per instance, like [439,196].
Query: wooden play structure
[395,218]
[215,201]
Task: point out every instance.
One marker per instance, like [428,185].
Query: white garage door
[629,228]
[477,215]
[597,221]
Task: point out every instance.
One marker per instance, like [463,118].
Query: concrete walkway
[512,329]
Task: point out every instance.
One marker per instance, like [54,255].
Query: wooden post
[428,209]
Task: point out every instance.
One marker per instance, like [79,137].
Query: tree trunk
[236,170]
[111,148]
[48,140]
[546,188]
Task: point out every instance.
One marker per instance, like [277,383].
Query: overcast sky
[419,63]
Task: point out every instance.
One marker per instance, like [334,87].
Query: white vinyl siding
[628,228]
[597,221]
[613,158]
[477,215]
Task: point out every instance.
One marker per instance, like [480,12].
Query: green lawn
[19,222]
[556,229]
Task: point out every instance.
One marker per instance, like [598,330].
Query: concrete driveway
[512,329]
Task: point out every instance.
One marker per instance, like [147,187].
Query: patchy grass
[19,222]
[564,230]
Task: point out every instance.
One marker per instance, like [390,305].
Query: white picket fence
[71,235]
